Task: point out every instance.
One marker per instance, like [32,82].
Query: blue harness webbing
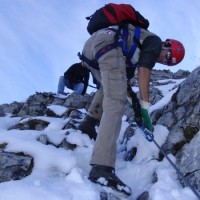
[105,49]
[89,62]
[119,41]
[136,42]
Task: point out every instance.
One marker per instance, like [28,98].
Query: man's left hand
[145,115]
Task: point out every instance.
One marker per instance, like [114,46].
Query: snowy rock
[32,124]
[14,166]
[180,116]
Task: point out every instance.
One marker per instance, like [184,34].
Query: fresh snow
[60,174]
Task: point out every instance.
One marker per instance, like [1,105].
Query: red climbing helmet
[177,51]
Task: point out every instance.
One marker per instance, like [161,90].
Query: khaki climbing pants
[109,101]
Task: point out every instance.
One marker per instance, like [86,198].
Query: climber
[75,78]
[110,67]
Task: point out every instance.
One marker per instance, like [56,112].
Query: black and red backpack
[115,14]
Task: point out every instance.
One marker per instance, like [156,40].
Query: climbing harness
[120,40]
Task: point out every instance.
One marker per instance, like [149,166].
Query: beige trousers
[109,101]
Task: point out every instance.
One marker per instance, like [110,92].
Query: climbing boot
[106,176]
[87,126]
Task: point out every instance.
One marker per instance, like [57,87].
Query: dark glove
[134,104]
[145,115]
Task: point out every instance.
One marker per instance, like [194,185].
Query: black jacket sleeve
[70,74]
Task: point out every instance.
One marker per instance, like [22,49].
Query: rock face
[181,116]
[184,106]
[188,161]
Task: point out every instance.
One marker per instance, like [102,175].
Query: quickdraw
[147,134]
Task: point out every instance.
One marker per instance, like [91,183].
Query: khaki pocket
[114,84]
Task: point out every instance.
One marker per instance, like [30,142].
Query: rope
[92,86]
[149,136]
